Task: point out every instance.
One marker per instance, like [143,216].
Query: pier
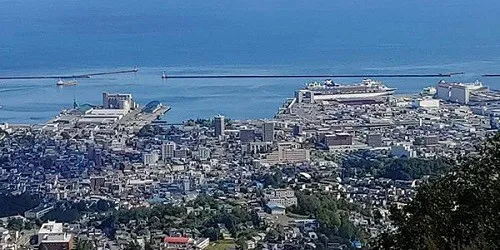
[165,76]
[491,75]
[68,76]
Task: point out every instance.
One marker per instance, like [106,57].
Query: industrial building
[118,101]
[458,92]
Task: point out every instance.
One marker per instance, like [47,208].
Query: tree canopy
[17,204]
[459,211]
[83,244]
[326,209]
[396,168]
[163,217]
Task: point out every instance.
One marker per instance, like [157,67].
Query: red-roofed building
[177,242]
[183,240]
[174,243]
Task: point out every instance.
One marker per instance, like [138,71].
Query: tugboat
[68,83]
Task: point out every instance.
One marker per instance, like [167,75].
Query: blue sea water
[232,37]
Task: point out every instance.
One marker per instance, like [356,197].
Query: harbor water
[232,37]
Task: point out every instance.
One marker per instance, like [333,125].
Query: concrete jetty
[68,76]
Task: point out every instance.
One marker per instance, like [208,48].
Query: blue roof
[356,244]
[274,205]
[84,107]
[151,106]
[156,199]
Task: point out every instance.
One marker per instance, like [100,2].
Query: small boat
[68,83]
[164,75]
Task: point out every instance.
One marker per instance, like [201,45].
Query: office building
[149,158]
[186,185]
[297,130]
[181,153]
[338,139]
[203,153]
[96,183]
[259,147]
[431,140]
[287,153]
[95,155]
[247,135]
[268,132]
[167,150]
[219,125]
[495,119]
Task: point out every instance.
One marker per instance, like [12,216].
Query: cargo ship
[67,83]
[330,91]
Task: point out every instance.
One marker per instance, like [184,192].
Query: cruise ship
[330,91]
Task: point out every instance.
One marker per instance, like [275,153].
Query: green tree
[212,233]
[28,225]
[133,245]
[205,200]
[459,211]
[15,224]
[241,242]
[328,218]
[83,245]
[103,205]
[148,246]
[17,204]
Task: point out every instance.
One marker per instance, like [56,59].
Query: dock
[137,119]
[135,70]
[165,76]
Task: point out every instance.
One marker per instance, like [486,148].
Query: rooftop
[56,238]
[51,227]
[176,240]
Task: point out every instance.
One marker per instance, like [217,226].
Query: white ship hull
[352,96]
[329,91]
